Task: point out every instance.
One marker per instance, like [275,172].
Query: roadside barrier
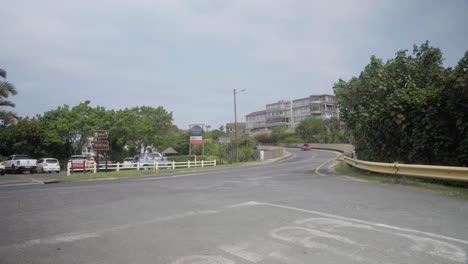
[141,166]
[448,173]
[424,171]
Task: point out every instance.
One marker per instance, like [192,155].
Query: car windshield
[51,161]
[22,157]
[128,159]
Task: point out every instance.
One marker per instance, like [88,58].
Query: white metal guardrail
[141,166]
[423,171]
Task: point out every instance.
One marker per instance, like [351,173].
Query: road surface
[270,213]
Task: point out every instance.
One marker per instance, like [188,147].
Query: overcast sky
[188,56]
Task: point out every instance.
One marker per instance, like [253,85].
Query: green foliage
[310,130]
[410,109]
[6,89]
[279,133]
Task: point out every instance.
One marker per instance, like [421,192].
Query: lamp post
[235,122]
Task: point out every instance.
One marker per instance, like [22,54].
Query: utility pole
[235,123]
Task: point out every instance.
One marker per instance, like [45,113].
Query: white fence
[140,166]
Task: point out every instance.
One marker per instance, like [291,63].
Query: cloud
[132,52]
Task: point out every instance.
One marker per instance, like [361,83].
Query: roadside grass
[457,189]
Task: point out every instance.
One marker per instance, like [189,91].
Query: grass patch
[458,189]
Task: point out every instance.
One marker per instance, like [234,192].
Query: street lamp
[235,122]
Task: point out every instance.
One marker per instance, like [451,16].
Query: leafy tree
[409,109]
[311,130]
[279,133]
[6,89]
[29,137]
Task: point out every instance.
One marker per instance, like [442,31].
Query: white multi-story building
[255,121]
[292,112]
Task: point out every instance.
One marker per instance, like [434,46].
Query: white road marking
[203,259]
[18,184]
[306,236]
[259,250]
[329,224]
[241,251]
[409,230]
[437,248]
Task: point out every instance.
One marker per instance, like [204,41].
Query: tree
[29,137]
[6,89]
[310,130]
[409,109]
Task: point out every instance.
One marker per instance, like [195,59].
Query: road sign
[101,133]
[224,140]
[196,140]
[196,130]
[100,145]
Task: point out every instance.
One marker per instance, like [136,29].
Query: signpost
[99,144]
[223,140]
[196,138]
[101,134]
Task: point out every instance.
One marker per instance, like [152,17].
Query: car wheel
[32,171]
[2,172]
[57,171]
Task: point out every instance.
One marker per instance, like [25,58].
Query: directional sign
[100,145]
[101,133]
[224,140]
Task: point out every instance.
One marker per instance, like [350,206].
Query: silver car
[2,168]
[149,160]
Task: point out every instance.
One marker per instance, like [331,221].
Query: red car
[306,147]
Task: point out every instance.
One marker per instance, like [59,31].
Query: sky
[188,56]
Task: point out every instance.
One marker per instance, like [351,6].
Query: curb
[46,181]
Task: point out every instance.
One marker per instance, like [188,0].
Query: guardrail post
[214,163]
[188,164]
[94,167]
[68,168]
[118,166]
[138,165]
[173,165]
[202,163]
[157,165]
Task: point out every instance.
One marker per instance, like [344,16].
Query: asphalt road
[271,213]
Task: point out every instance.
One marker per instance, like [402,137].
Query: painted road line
[409,230]
[19,184]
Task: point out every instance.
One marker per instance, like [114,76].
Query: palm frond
[8,117]
[6,103]
[3,73]
[7,88]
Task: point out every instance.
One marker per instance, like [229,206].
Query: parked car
[148,160]
[306,147]
[20,163]
[78,162]
[48,165]
[2,168]
[129,162]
